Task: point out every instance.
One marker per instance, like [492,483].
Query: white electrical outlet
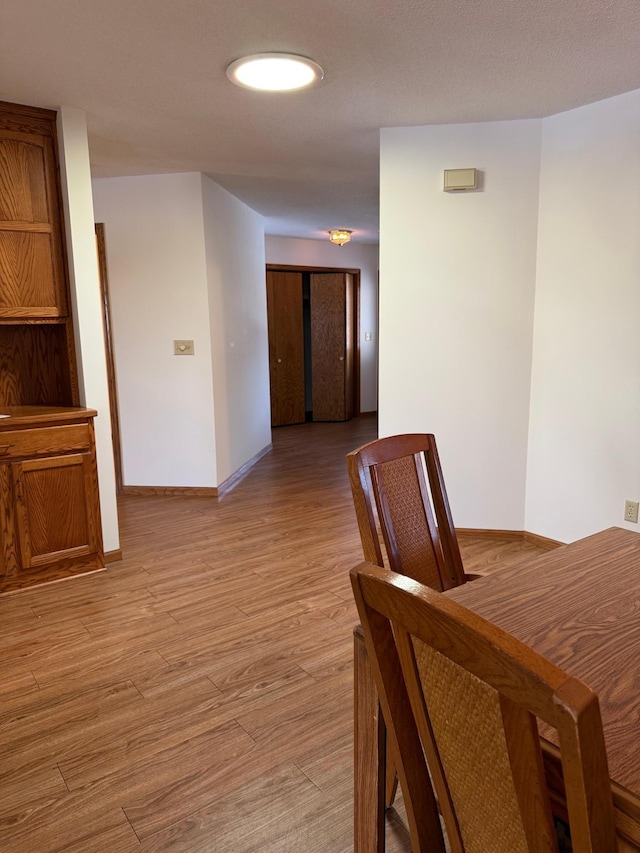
[631,511]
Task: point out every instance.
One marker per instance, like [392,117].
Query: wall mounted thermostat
[460,179]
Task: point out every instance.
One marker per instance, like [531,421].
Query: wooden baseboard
[171,491]
[199,491]
[23,585]
[541,541]
[508,535]
[235,478]
[511,536]
[113,556]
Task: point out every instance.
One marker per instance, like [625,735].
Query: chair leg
[391,782]
[369,756]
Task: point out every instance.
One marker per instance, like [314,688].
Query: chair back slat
[466,722]
[474,694]
[408,528]
[397,483]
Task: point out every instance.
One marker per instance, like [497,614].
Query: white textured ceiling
[151,76]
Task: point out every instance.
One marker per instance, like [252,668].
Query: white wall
[158,284]
[362,256]
[584,457]
[457,276]
[235,259]
[86,304]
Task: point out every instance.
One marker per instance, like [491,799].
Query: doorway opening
[314,355]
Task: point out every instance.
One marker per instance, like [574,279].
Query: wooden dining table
[579,606]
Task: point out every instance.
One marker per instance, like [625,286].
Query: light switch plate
[183,348]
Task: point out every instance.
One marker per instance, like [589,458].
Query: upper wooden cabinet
[37,352]
[31,262]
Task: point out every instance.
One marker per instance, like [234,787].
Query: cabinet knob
[279,360]
[341,358]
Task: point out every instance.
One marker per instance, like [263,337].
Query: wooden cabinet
[311,346]
[49,502]
[49,506]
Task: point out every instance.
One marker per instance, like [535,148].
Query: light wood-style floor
[197,696]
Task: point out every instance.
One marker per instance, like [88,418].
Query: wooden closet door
[332,346]
[286,347]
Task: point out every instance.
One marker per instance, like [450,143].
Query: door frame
[108,345]
[356,316]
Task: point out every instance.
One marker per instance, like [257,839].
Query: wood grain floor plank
[130,736]
[342,612]
[90,659]
[206,615]
[332,771]
[14,688]
[311,581]
[16,613]
[170,590]
[19,708]
[251,675]
[243,817]
[232,588]
[260,631]
[328,661]
[120,839]
[184,777]
[324,828]
[146,623]
[34,784]
[101,670]
[312,702]
[52,730]
[169,678]
[155,793]
[65,825]
[252,662]
[286,560]
[90,601]
[32,642]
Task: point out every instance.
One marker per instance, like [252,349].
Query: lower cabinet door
[55,515]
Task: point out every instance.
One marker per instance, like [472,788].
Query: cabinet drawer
[43,441]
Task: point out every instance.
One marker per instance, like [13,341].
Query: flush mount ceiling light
[274,72]
[340,237]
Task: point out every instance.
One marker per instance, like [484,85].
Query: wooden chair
[399,481]
[467,696]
